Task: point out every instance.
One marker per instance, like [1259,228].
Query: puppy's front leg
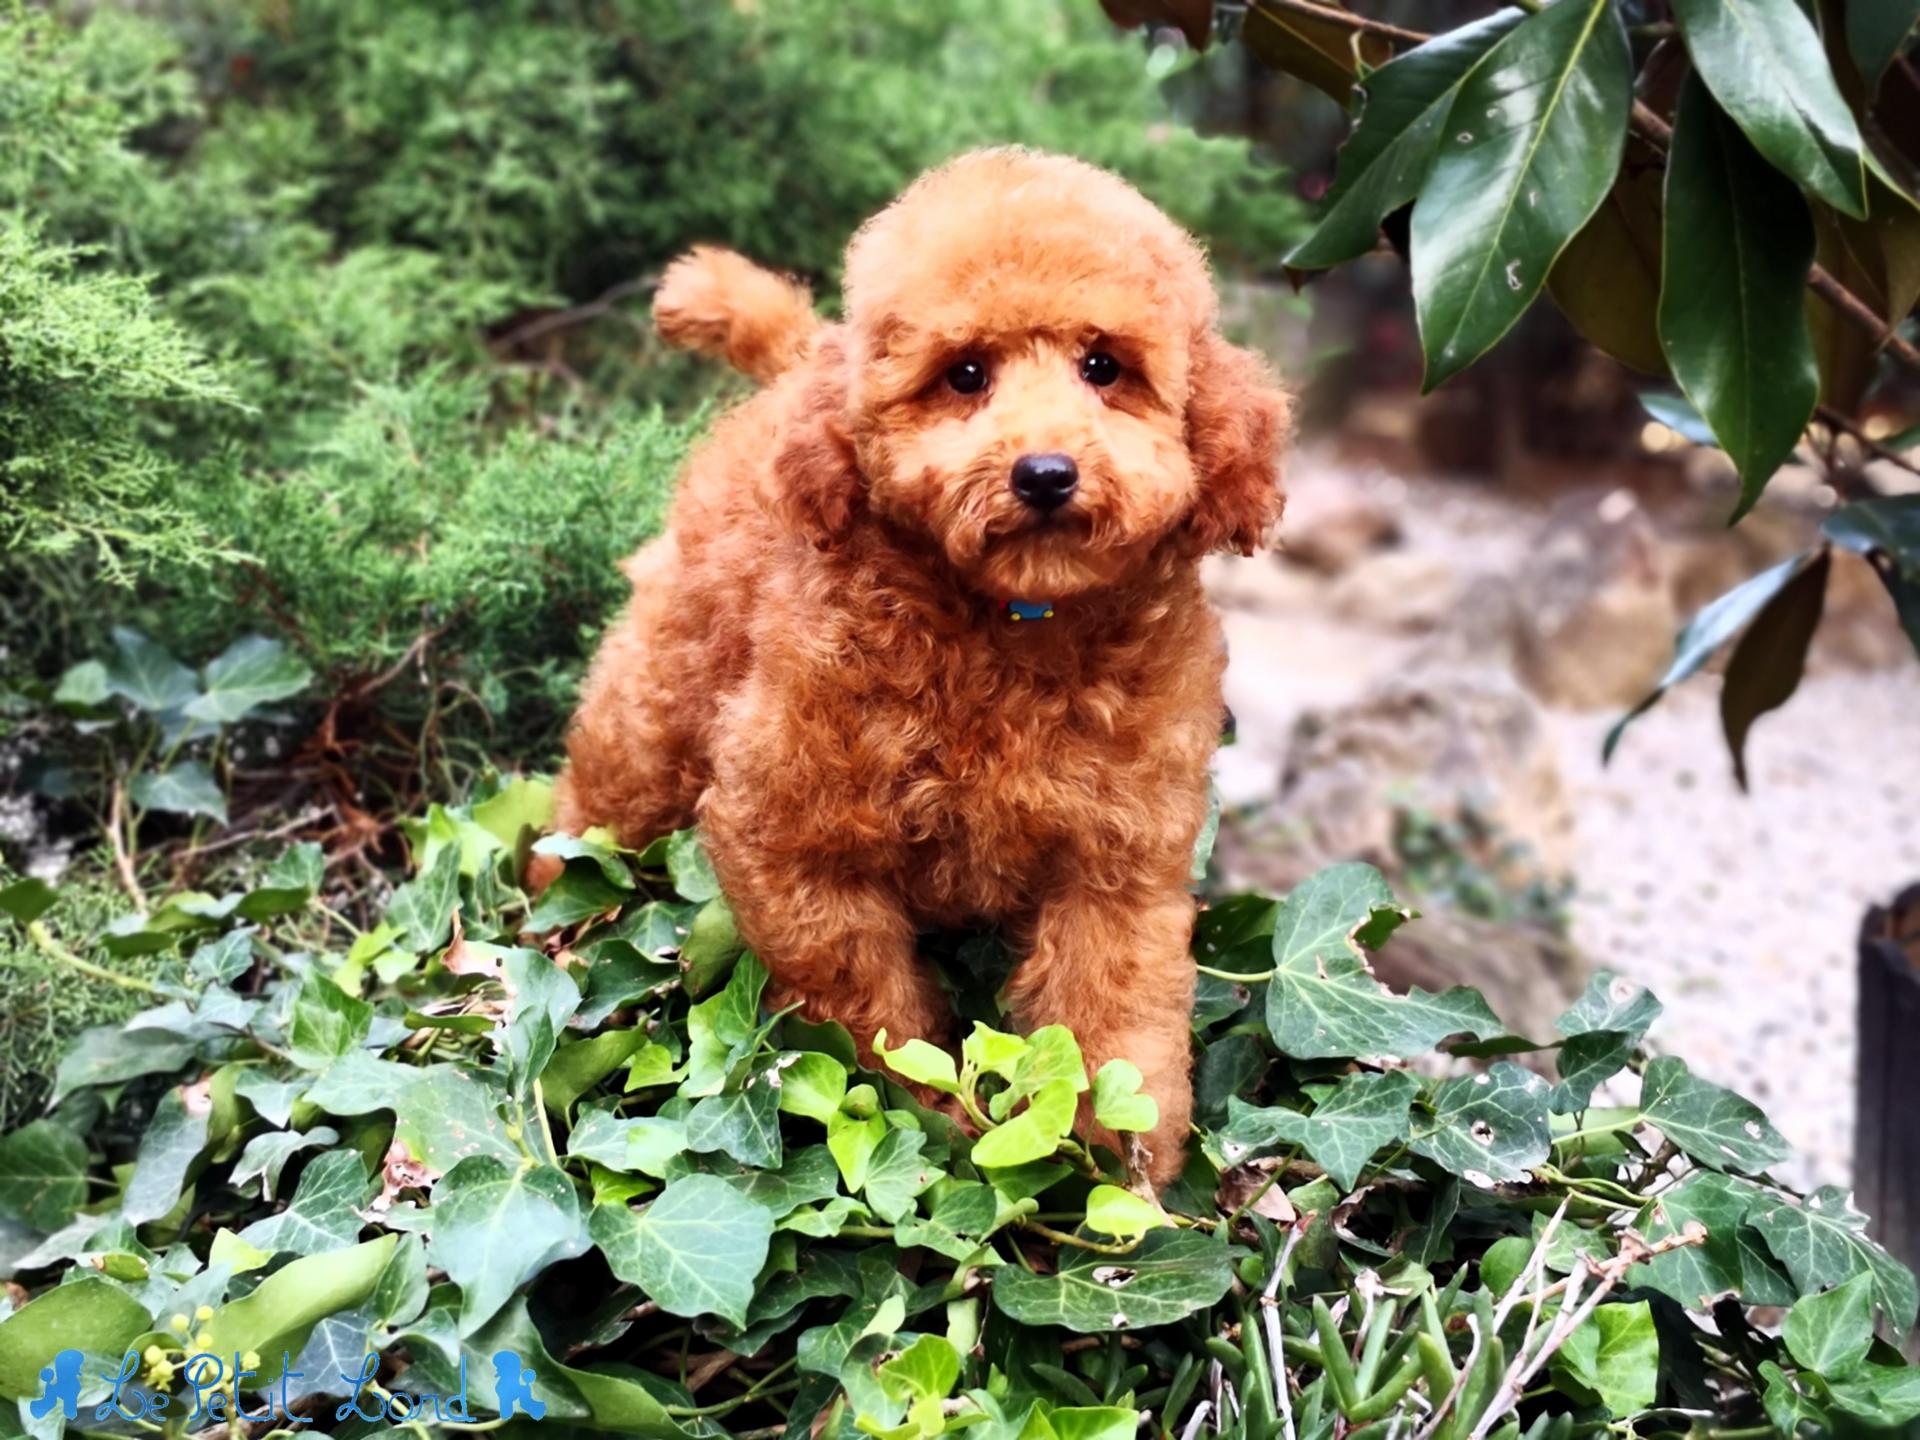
[1115,970]
[841,948]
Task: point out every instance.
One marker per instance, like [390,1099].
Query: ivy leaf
[925,1370]
[43,1175]
[852,1140]
[27,900]
[1885,1397]
[145,674]
[1616,1354]
[1486,1128]
[222,960]
[1611,1002]
[496,1226]
[188,788]
[1830,1332]
[1733,321]
[1710,1123]
[1706,633]
[1764,63]
[689,868]
[1051,1056]
[267,1154]
[1117,1101]
[612,867]
[1529,150]
[694,1251]
[745,1123]
[1121,1213]
[964,1213]
[173,1140]
[921,1063]
[1168,1276]
[324,1214]
[1364,1114]
[1393,144]
[444,1114]
[83,686]
[423,907]
[577,1067]
[1733,1260]
[1822,1240]
[1766,665]
[810,1084]
[804,1178]
[327,1023]
[993,1052]
[1323,1001]
[251,672]
[1035,1133]
[712,947]
[1585,1062]
[721,1030]
[896,1175]
[646,1143]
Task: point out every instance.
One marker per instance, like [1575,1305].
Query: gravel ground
[1739,911]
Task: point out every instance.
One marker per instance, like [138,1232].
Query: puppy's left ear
[1238,423]
[815,477]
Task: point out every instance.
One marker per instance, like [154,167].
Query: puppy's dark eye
[1099,368]
[968,377]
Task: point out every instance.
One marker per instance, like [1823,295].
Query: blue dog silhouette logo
[513,1384]
[62,1382]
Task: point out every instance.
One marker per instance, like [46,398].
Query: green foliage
[608,1167]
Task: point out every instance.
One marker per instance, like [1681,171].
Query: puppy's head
[1030,376]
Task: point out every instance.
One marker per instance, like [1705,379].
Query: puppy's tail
[724,305]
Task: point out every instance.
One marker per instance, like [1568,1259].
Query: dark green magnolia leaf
[1528,152]
[1768,661]
[1611,1002]
[173,1140]
[423,907]
[279,1314]
[43,1175]
[324,1215]
[694,1251]
[1830,1332]
[1168,1276]
[497,1225]
[1764,63]
[1616,1354]
[1607,280]
[1391,147]
[251,672]
[145,674]
[1733,1260]
[187,789]
[1364,1114]
[1876,32]
[1323,53]
[1883,1396]
[88,1314]
[1711,1124]
[1822,1240]
[1733,318]
[327,1023]
[1323,1000]
[267,1154]
[1886,529]
[744,1124]
[1486,1128]
[1706,633]
[27,900]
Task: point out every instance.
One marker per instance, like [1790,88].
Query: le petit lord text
[215,1391]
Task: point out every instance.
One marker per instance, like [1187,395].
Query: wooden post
[1886,1161]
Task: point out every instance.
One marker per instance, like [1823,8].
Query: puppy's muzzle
[1045,482]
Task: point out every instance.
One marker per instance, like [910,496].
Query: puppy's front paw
[542,871]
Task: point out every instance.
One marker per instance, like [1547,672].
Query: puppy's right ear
[816,485]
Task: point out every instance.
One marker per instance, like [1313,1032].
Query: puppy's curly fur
[818,665]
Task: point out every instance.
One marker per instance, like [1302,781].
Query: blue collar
[1029,610]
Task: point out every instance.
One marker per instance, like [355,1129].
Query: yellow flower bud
[250,1360]
[153,1355]
[179,1323]
[205,1312]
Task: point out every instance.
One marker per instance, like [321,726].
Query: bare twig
[122,861]
[1270,1318]
[1345,19]
[1834,420]
[1194,1421]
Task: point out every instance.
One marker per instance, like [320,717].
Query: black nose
[1045,482]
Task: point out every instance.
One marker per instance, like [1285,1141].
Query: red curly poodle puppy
[925,643]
